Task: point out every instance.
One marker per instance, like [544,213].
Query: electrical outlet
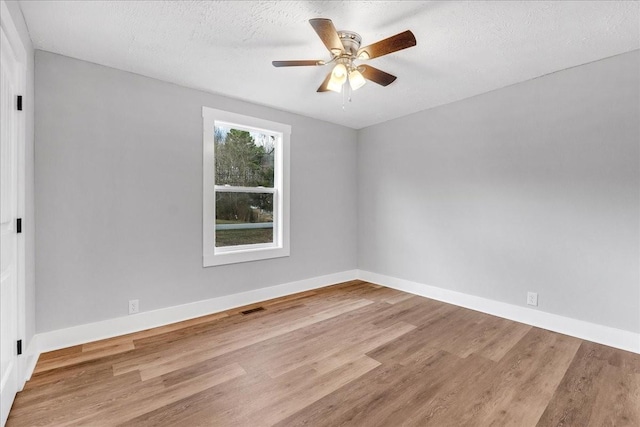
[532,298]
[134,306]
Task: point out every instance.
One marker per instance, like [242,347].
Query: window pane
[244,218]
[243,159]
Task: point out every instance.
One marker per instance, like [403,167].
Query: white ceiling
[226,47]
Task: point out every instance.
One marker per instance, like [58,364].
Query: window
[246,188]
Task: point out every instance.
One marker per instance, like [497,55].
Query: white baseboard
[601,334]
[82,334]
[31,358]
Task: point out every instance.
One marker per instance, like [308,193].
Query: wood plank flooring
[352,354]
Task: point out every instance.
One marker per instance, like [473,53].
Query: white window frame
[211,255]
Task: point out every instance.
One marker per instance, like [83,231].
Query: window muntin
[245,210]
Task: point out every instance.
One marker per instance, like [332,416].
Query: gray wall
[28,228]
[534,187]
[119,195]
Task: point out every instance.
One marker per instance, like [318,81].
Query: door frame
[13,37]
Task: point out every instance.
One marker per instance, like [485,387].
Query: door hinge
[19,225]
[19,347]
[19,103]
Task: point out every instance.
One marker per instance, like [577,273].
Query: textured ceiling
[226,47]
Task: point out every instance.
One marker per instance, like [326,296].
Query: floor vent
[253,310]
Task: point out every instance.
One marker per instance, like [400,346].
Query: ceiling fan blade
[301,63]
[328,34]
[323,87]
[376,76]
[387,46]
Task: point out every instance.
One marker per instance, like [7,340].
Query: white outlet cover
[134,306]
[532,298]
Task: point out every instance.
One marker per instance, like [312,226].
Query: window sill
[248,255]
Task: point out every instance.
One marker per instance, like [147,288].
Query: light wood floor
[352,354]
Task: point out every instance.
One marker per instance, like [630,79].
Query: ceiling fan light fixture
[356,79]
[338,78]
[335,87]
[345,49]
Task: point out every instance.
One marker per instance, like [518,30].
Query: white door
[9,133]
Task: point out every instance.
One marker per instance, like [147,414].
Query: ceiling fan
[345,50]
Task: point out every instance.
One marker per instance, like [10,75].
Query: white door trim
[11,32]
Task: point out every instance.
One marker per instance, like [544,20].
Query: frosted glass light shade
[338,77]
[356,80]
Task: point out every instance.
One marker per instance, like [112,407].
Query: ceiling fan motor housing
[351,42]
